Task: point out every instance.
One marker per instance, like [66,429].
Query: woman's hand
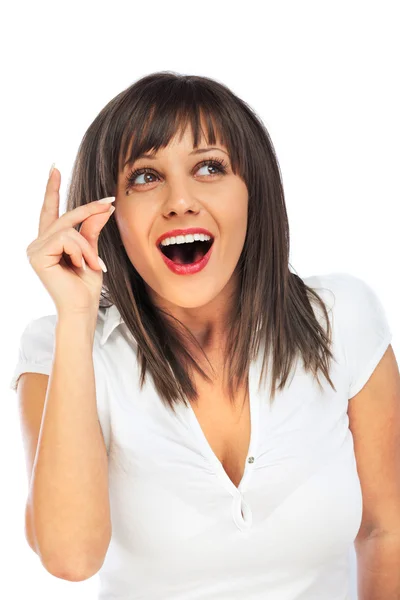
[72,288]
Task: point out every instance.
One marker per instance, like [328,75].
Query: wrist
[84,322]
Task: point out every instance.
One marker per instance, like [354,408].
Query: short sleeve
[35,355]
[363,327]
[36,347]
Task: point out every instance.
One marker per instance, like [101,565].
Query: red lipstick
[190,230]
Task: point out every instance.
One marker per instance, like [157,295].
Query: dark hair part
[273,305]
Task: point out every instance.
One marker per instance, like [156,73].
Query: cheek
[239,233]
[233,208]
[233,234]
[238,219]
[134,237]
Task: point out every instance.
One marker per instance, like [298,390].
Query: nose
[180,204]
[180,197]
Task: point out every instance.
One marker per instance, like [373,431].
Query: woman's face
[178,193]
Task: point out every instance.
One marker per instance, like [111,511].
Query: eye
[215,163]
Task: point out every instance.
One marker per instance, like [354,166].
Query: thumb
[91,227]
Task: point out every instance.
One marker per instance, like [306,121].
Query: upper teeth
[182,239]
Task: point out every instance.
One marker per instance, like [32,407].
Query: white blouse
[181,530]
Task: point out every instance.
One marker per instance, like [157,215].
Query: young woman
[186,413]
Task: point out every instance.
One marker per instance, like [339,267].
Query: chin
[189,300]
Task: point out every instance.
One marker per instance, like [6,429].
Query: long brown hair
[273,306]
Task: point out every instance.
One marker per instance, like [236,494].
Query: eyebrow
[197,151]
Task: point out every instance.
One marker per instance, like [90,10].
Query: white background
[323,76]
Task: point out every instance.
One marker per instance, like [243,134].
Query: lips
[187,269]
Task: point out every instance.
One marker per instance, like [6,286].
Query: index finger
[51,203]
[50,221]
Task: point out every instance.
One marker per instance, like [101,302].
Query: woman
[202,480]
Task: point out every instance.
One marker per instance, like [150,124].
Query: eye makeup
[220,164]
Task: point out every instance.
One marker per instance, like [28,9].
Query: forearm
[68,496]
[378,567]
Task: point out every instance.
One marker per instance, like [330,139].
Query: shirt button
[250,459]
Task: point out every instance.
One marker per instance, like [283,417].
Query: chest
[226,427]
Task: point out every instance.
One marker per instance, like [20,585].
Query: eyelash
[219,163]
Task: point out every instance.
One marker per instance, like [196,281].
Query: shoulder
[359,320]
[35,345]
[39,333]
[357,308]
[351,297]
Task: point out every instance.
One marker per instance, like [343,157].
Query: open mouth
[188,252]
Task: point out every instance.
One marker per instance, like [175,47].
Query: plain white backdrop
[324,78]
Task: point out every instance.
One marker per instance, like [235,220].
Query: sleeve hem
[28,368]
[369,369]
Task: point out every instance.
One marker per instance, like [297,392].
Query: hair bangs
[151,127]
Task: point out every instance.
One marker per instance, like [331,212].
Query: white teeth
[185,239]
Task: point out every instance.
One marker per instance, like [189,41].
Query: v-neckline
[209,453]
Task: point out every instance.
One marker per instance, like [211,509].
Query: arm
[68,502]
[374,420]
[378,567]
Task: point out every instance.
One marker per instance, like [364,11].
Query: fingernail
[107,200]
[103,266]
[112,208]
[51,169]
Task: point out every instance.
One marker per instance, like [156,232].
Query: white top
[177,527]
